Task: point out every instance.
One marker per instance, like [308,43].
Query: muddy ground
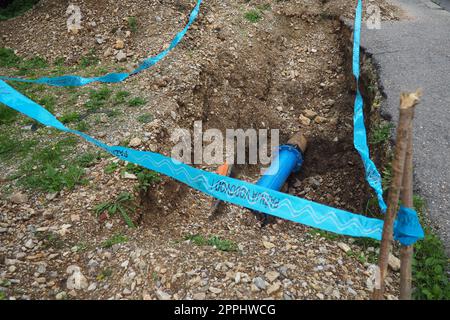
[288,70]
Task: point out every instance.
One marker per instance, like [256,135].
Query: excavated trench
[297,77]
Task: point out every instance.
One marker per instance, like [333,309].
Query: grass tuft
[123,205]
[253,15]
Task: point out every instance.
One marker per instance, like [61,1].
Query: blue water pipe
[288,160]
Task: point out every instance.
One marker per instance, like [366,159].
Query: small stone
[41,268]
[75,217]
[51,196]
[344,247]
[351,291]
[274,288]
[237,277]
[199,296]
[336,294]
[394,262]
[268,245]
[41,280]
[320,296]
[126,292]
[135,142]
[161,295]
[12,269]
[76,280]
[310,114]
[215,290]
[320,119]
[18,198]
[121,56]
[99,39]
[119,44]
[61,295]
[108,52]
[29,244]
[272,276]
[92,286]
[259,283]
[304,120]
[129,176]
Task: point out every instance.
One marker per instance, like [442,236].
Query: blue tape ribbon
[373,177]
[407,228]
[75,81]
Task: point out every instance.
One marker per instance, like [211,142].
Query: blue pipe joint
[289,159]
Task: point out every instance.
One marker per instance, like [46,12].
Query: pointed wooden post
[406,252]
[407,104]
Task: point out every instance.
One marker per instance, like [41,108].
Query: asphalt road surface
[415,53]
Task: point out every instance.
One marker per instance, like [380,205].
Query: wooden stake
[406,252]
[407,103]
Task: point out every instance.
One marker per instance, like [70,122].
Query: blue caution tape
[407,230]
[373,177]
[75,81]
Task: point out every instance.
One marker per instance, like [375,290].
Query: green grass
[145,118]
[10,148]
[88,159]
[146,178]
[89,60]
[116,239]
[2,295]
[70,117]
[48,101]
[106,273]
[81,247]
[8,58]
[386,176]
[98,98]
[123,204]
[136,102]
[82,126]
[430,263]
[133,24]
[49,168]
[50,239]
[16,8]
[31,66]
[112,167]
[324,234]
[7,115]
[214,241]
[120,97]
[381,133]
[253,15]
